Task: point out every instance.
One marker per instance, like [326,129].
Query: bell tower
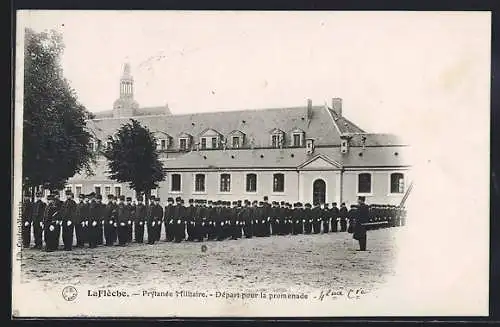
[125,105]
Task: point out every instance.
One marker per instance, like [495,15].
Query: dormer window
[277,138]
[210,139]
[236,139]
[298,137]
[162,141]
[185,141]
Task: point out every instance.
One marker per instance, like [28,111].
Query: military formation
[121,221]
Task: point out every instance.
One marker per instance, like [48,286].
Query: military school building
[307,154]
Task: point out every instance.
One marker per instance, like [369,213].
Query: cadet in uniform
[139,219]
[351,217]
[343,215]
[130,209]
[37,217]
[211,221]
[86,219]
[178,221]
[58,223]
[100,221]
[190,219]
[158,217]
[122,218]
[68,219]
[79,220]
[326,217]
[109,222]
[50,221]
[93,221]
[26,219]
[307,218]
[334,215]
[316,213]
[168,220]
[297,219]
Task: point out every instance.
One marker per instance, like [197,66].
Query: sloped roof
[145,111]
[344,124]
[287,158]
[256,124]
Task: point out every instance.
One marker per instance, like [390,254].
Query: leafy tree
[132,158]
[55,135]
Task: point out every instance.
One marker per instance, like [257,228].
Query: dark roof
[288,158]
[255,124]
[145,111]
[343,124]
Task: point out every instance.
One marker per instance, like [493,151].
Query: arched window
[397,183]
[251,183]
[278,182]
[225,183]
[364,183]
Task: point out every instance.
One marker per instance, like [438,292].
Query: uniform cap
[140,198]
[239,202]
[157,199]
[266,198]
[182,201]
[170,199]
[81,196]
[326,205]
[99,197]
[129,198]
[282,203]
[308,205]
[210,201]
[261,203]
[299,204]
[362,198]
[190,200]
[334,204]
[342,204]
[152,197]
[235,203]
[122,197]
[178,199]
[50,197]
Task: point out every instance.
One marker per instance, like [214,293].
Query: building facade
[307,153]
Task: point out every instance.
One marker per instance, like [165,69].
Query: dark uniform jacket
[38,211]
[140,212]
[68,211]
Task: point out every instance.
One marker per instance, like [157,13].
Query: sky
[390,68]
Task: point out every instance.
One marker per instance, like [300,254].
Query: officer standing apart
[361,218]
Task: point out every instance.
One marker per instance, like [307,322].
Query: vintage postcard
[251,164]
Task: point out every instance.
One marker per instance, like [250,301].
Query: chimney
[337,106]
[309,109]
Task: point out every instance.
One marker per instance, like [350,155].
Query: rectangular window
[364,183]
[225,183]
[251,183]
[214,143]
[296,140]
[78,191]
[236,142]
[109,144]
[163,144]
[397,183]
[183,144]
[69,188]
[97,190]
[278,183]
[203,143]
[275,141]
[107,190]
[98,145]
[199,183]
[118,190]
[154,192]
[91,146]
[176,183]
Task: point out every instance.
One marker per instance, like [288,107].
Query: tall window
[203,143]
[214,142]
[251,183]
[236,141]
[163,144]
[278,183]
[107,190]
[397,183]
[118,190]
[199,183]
[176,183]
[275,141]
[364,183]
[296,140]
[97,190]
[78,191]
[225,183]
[183,144]
[69,188]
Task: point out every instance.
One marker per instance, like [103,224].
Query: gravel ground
[278,263]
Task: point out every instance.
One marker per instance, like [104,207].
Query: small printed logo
[69,293]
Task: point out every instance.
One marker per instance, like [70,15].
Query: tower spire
[126,83]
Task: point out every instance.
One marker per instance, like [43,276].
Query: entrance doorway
[319,191]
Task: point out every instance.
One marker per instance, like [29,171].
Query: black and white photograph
[251,164]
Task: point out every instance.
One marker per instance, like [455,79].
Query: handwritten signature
[349,293]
